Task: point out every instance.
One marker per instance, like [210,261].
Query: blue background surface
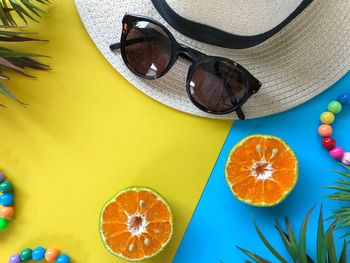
[220,222]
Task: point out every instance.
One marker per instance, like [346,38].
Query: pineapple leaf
[320,237]
[332,256]
[326,251]
[303,256]
[345,235]
[254,257]
[343,254]
[293,251]
[325,245]
[268,245]
[291,235]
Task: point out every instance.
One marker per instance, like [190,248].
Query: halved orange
[261,170]
[136,224]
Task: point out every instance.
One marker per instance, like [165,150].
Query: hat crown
[239,17]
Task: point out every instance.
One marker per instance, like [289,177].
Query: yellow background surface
[86,134]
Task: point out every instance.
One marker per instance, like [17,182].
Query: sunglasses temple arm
[239,111]
[115,46]
[240,114]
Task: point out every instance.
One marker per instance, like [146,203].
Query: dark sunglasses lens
[148,49]
[218,86]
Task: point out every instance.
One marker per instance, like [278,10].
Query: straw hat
[296,61]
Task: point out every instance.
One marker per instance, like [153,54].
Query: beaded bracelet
[6,201]
[326,130]
[40,253]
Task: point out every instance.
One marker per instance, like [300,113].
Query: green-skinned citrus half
[136,224]
[261,170]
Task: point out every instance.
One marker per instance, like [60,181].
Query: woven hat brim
[298,63]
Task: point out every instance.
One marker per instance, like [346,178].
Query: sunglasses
[215,85]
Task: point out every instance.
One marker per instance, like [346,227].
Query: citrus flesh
[261,170]
[136,224]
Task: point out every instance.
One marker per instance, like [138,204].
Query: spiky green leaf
[5,91]
[342,258]
[25,9]
[294,253]
[326,251]
[332,254]
[268,245]
[253,256]
[292,238]
[303,230]
[342,215]
[320,237]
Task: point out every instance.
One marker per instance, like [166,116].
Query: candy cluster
[38,254]
[326,130]
[6,202]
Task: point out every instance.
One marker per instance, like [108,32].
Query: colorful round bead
[337,153]
[15,259]
[327,117]
[346,159]
[3,223]
[52,254]
[325,130]
[38,253]
[26,254]
[6,200]
[7,212]
[344,99]
[5,187]
[328,143]
[63,258]
[335,107]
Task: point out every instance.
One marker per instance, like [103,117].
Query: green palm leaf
[17,62]
[342,194]
[14,61]
[5,91]
[25,9]
[326,251]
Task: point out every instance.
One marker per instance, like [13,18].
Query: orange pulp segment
[136,224]
[261,170]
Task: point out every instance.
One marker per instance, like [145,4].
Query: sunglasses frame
[191,55]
